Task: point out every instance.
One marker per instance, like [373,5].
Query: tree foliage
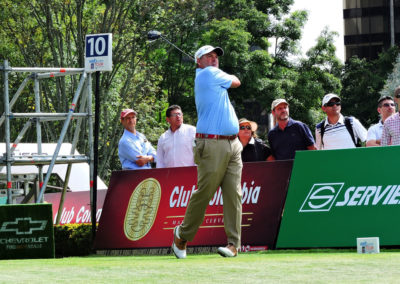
[149,76]
[362,82]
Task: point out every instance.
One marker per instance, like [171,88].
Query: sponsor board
[142,207]
[76,207]
[26,231]
[336,196]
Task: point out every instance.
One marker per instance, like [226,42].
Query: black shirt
[256,152]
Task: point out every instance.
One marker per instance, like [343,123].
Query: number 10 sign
[98,52]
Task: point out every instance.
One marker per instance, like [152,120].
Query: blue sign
[97,45]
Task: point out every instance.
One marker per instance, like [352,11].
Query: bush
[73,240]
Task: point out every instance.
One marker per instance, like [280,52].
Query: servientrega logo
[321,197]
[324,196]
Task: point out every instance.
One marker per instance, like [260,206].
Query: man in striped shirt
[337,131]
[391,127]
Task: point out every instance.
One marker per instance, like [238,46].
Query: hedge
[73,240]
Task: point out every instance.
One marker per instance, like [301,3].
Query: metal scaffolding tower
[83,93]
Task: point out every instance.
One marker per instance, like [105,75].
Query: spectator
[386,107]
[254,149]
[397,96]
[337,131]
[217,154]
[175,146]
[289,135]
[391,126]
[134,151]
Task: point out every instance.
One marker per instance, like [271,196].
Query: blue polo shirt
[284,143]
[132,145]
[216,114]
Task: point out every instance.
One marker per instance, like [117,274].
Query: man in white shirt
[175,146]
[386,107]
[337,131]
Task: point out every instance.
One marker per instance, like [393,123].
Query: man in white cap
[337,131]
[289,135]
[217,154]
[134,150]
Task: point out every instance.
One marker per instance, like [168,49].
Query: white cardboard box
[368,245]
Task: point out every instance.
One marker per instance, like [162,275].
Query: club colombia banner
[142,207]
[336,196]
[76,206]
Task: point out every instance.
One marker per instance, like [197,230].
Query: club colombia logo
[323,196]
[142,209]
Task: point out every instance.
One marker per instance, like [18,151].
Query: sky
[321,13]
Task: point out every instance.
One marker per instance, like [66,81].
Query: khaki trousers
[219,163]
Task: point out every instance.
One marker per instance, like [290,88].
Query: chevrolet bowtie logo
[23,226]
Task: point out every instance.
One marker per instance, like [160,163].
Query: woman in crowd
[254,149]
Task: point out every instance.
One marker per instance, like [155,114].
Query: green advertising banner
[26,231]
[337,196]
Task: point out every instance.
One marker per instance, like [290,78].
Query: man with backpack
[338,131]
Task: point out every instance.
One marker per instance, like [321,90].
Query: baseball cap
[328,97]
[207,49]
[127,111]
[253,124]
[278,102]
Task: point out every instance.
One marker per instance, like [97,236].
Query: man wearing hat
[289,135]
[391,127]
[386,107]
[254,149]
[337,131]
[134,150]
[217,153]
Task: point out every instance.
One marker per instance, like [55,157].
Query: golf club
[154,35]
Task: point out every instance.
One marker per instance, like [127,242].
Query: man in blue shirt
[134,150]
[217,154]
[289,135]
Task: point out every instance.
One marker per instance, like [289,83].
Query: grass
[300,266]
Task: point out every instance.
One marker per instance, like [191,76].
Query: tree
[149,76]
[362,82]
[51,33]
[318,74]
[393,80]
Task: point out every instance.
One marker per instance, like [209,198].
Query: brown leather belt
[214,136]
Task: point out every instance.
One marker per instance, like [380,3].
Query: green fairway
[326,266]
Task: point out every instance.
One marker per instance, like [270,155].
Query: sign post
[98,57]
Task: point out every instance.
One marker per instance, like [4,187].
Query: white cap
[328,97]
[207,49]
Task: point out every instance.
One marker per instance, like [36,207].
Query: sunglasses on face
[175,115]
[331,104]
[243,127]
[388,104]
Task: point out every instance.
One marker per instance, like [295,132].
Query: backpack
[349,127]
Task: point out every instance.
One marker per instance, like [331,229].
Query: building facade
[368,27]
